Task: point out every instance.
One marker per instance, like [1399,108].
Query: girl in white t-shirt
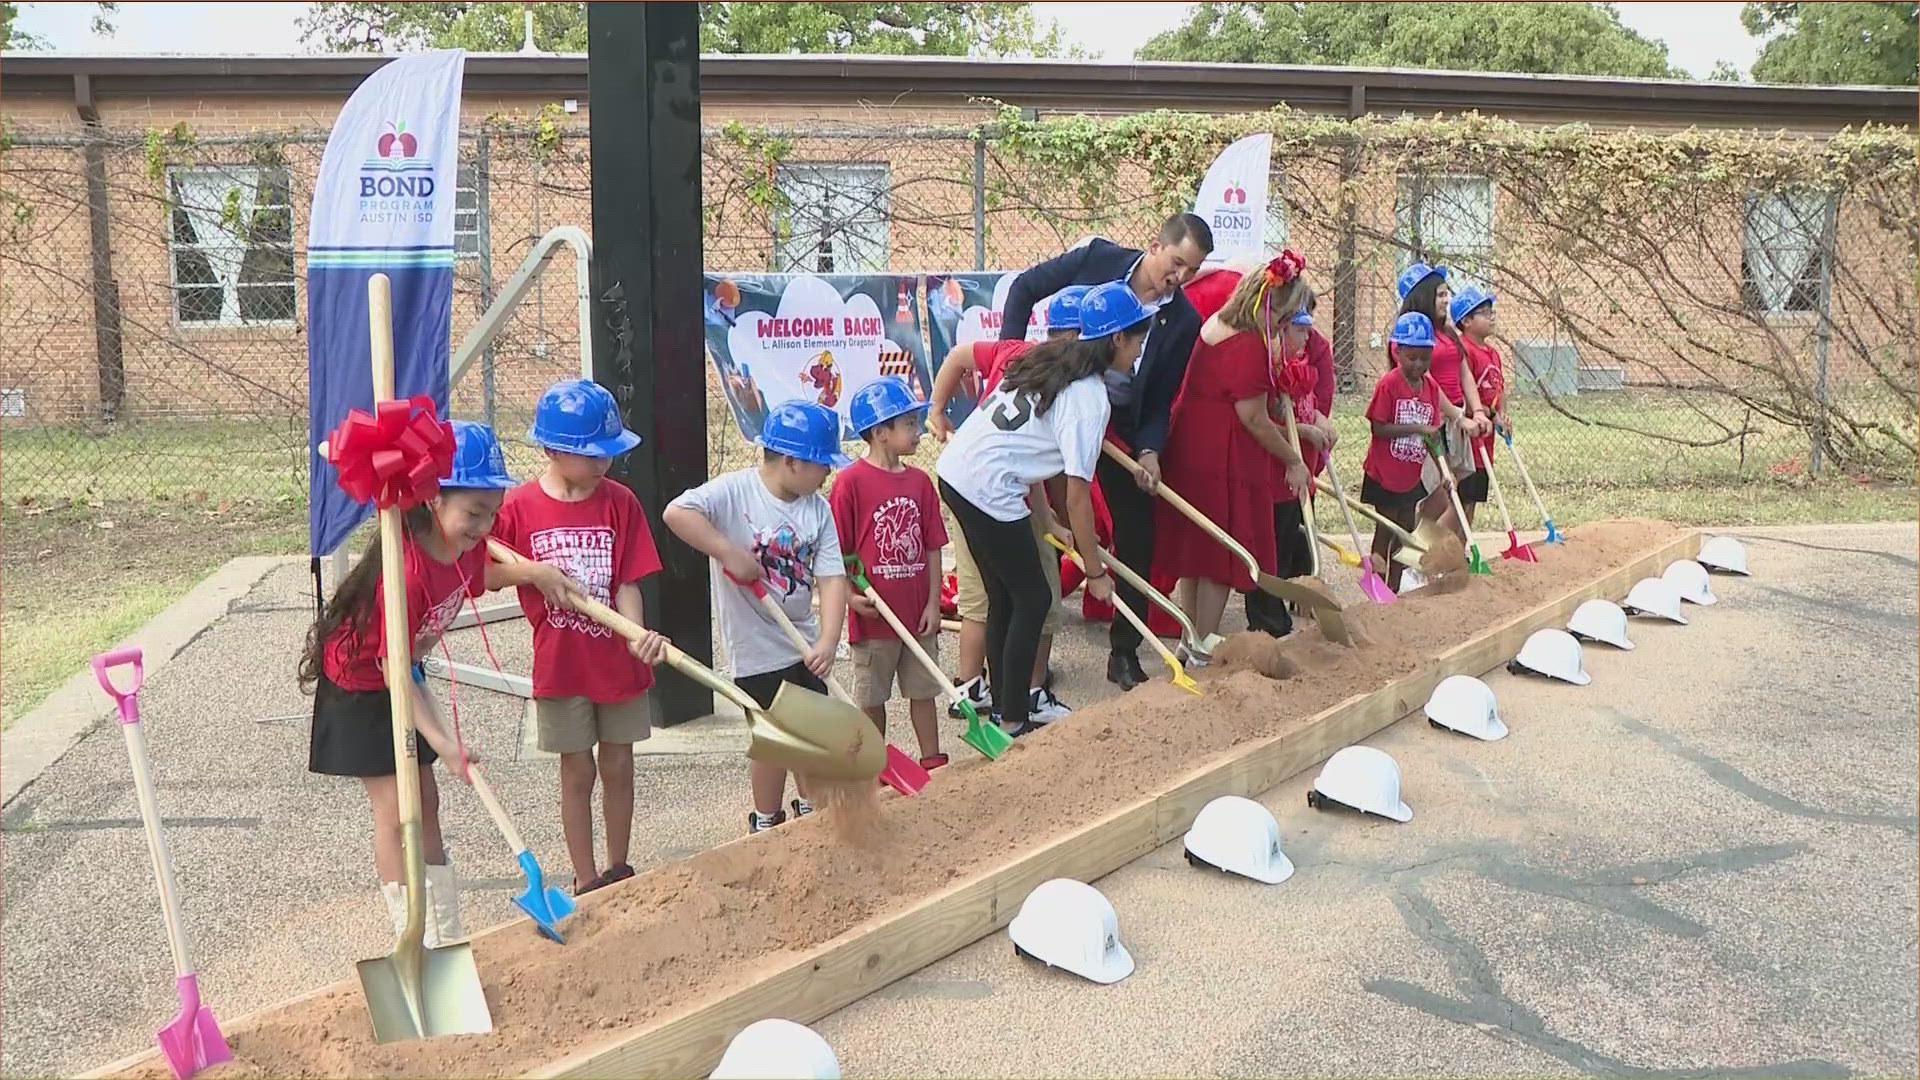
[1047,417]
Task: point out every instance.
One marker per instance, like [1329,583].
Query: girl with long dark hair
[1047,417]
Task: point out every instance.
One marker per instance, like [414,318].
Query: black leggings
[1017,599]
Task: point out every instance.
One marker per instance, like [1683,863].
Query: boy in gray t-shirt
[769,523]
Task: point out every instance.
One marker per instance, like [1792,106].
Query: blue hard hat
[1467,302]
[1109,309]
[1301,318]
[1413,330]
[804,430]
[1413,275]
[880,401]
[580,417]
[477,460]
[1063,311]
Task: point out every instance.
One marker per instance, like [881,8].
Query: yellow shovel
[1196,645]
[1180,677]
[416,993]
[1325,608]
[804,732]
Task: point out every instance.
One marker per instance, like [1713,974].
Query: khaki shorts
[972,598]
[879,662]
[572,725]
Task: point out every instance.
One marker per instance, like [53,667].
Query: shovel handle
[129,699]
[149,803]
[1306,507]
[1485,461]
[1405,537]
[793,633]
[1453,489]
[1353,531]
[1139,624]
[1187,509]
[947,697]
[633,631]
[495,810]
[1146,589]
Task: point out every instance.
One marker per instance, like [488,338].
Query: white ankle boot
[443,906]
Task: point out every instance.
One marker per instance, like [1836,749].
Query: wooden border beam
[690,1041]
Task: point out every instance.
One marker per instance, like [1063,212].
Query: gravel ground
[1702,863]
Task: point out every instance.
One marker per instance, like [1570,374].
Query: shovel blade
[1553,534]
[1518,551]
[982,736]
[902,773]
[1183,680]
[443,998]
[545,906]
[1374,586]
[1477,565]
[193,1041]
[1430,532]
[814,735]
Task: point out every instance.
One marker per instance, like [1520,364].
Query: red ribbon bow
[1295,378]
[395,456]
[1285,266]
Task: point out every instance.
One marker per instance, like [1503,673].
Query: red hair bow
[1284,267]
[1295,378]
[395,456]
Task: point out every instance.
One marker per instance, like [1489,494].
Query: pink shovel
[1372,584]
[192,1042]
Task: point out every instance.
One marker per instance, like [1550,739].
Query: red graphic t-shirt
[892,521]
[602,542]
[1395,463]
[435,591]
[990,360]
[1484,361]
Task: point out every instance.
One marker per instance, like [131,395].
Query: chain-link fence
[1677,309]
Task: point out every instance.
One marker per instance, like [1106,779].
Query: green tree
[12,38]
[1843,43]
[935,29]
[1570,39]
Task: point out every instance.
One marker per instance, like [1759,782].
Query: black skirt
[1378,497]
[353,733]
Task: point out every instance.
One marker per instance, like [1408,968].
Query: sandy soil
[668,938]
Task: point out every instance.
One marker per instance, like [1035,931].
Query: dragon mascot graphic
[824,376]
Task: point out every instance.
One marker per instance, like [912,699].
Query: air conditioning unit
[1601,377]
[1552,365]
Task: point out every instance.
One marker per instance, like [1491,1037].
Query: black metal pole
[644,128]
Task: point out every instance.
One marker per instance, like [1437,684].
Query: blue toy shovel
[192,1040]
[1553,534]
[544,904]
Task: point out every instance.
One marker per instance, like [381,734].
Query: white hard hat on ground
[1363,778]
[1553,653]
[1241,837]
[1652,596]
[1464,704]
[1068,924]
[1724,553]
[777,1050]
[1689,579]
[1600,620]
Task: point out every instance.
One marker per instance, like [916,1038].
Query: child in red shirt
[886,512]
[346,662]
[1406,410]
[1472,314]
[584,534]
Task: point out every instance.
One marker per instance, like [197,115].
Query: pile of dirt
[1254,651]
[1445,564]
[682,933]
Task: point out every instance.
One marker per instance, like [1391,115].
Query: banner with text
[965,308]
[777,337]
[382,204]
[1233,198]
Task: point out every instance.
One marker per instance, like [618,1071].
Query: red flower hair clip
[1284,267]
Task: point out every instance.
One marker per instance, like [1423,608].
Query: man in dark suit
[1143,411]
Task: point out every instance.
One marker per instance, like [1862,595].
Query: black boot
[1124,670]
[1267,614]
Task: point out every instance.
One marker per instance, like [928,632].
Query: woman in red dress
[1222,441]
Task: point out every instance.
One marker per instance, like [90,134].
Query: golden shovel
[1196,645]
[1180,677]
[1325,608]
[416,993]
[804,732]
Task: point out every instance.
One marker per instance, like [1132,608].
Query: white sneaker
[1044,708]
[977,694]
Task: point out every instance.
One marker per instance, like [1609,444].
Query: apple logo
[398,137]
